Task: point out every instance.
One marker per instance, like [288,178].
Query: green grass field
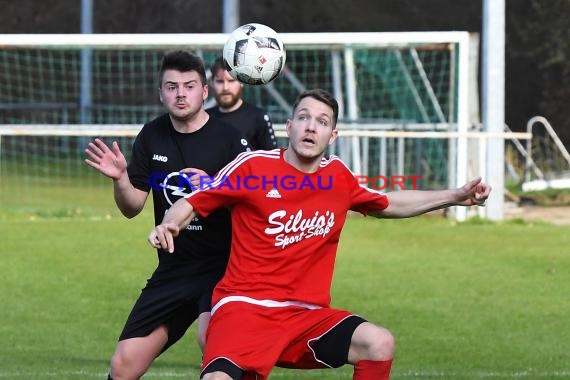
[475,300]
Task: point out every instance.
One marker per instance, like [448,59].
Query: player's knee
[381,344]
[118,366]
[371,342]
[119,360]
[123,366]
[216,376]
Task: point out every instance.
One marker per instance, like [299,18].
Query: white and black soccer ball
[254,54]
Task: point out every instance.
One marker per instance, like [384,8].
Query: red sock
[372,370]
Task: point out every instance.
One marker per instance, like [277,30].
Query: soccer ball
[254,54]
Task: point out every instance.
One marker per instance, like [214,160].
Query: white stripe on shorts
[265,303]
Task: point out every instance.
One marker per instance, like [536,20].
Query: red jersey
[286,225]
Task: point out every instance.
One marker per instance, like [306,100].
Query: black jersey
[159,153]
[252,122]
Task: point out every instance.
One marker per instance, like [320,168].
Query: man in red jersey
[272,307]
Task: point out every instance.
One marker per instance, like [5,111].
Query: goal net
[404,106]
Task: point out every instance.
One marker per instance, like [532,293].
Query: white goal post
[406,98]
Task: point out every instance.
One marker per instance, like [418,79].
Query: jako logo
[158,157]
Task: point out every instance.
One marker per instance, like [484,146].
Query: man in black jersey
[254,123]
[166,153]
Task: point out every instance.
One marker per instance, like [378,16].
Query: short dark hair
[218,65]
[322,96]
[182,61]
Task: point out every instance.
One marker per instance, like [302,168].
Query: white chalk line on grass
[86,374]
[404,375]
[483,375]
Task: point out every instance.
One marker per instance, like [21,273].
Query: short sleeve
[364,199]
[138,168]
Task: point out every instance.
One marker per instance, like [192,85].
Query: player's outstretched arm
[112,163]
[407,203]
[176,218]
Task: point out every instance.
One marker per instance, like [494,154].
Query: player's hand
[198,178]
[162,236]
[110,162]
[473,193]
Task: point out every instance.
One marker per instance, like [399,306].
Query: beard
[227,100]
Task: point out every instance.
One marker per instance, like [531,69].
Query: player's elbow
[130,215]
[387,213]
[130,212]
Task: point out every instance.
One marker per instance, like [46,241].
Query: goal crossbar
[216,40]
[344,130]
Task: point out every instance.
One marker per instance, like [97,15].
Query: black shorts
[172,300]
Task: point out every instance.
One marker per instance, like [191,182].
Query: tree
[538,46]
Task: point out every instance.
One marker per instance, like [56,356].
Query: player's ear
[205,92]
[288,126]
[160,95]
[334,135]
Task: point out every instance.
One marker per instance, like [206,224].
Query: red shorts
[257,338]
